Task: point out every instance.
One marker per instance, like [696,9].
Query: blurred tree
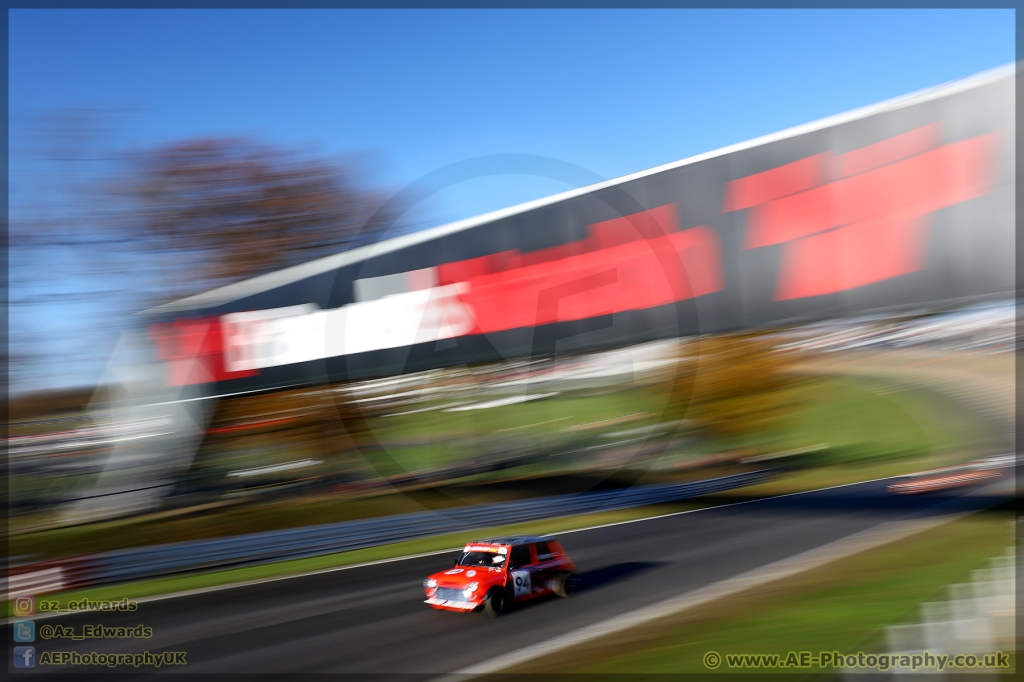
[732,386]
[100,228]
[224,209]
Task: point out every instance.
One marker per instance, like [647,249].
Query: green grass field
[859,419]
[429,439]
[870,434]
[864,421]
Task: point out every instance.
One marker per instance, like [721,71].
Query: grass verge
[840,607]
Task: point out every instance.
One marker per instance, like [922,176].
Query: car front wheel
[494,603]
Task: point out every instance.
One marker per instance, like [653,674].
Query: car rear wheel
[494,603]
[565,584]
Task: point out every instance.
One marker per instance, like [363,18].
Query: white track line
[811,559]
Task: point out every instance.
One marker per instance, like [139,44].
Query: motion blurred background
[157,155]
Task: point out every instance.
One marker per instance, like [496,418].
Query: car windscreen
[481,559]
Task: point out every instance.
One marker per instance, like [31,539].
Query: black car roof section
[510,540]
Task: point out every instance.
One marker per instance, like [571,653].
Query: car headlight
[470,589]
[429,582]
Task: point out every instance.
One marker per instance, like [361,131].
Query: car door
[545,566]
[519,568]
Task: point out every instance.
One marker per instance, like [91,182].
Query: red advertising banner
[908,203]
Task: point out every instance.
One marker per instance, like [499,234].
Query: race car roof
[510,540]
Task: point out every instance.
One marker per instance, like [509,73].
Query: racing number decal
[521,579]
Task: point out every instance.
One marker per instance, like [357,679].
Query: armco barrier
[295,543]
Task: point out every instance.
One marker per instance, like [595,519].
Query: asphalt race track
[373,619]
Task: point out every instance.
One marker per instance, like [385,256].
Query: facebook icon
[24,657]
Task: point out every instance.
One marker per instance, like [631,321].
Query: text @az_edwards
[95,631]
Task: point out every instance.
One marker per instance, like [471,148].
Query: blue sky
[612,91]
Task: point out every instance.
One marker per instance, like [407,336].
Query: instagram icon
[24,605]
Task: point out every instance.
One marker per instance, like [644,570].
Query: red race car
[495,573]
